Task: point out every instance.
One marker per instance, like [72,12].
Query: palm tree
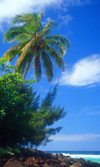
[35,43]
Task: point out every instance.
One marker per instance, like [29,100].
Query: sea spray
[87,155]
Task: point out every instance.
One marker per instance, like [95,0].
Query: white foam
[82,156]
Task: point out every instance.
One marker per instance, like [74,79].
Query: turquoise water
[87,155]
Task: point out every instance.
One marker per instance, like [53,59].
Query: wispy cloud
[75,137]
[10,8]
[72,3]
[65,19]
[84,72]
[93,113]
[77,2]
[88,111]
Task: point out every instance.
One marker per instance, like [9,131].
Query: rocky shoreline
[44,159]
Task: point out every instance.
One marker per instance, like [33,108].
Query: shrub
[23,121]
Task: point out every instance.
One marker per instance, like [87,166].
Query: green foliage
[23,121]
[34,42]
[5,152]
[9,152]
[5,65]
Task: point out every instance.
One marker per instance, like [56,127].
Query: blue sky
[79,84]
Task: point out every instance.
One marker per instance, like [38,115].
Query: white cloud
[75,138]
[84,72]
[10,8]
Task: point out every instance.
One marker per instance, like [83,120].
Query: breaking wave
[82,156]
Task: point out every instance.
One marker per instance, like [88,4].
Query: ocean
[87,155]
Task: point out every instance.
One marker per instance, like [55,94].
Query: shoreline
[87,155]
[36,158]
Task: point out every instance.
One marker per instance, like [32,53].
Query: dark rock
[81,160]
[2,162]
[37,158]
[13,163]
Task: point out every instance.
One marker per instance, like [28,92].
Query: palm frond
[13,32]
[22,37]
[23,63]
[31,22]
[60,38]
[33,25]
[29,45]
[26,50]
[47,29]
[57,45]
[21,58]
[24,18]
[47,65]
[11,53]
[15,50]
[56,56]
[40,16]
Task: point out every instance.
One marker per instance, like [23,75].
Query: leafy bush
[23,121]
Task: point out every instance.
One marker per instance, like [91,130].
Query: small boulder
[63,164]
[13,163]
[77,164]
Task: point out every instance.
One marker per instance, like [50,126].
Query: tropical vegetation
[24,121]
[34,43]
